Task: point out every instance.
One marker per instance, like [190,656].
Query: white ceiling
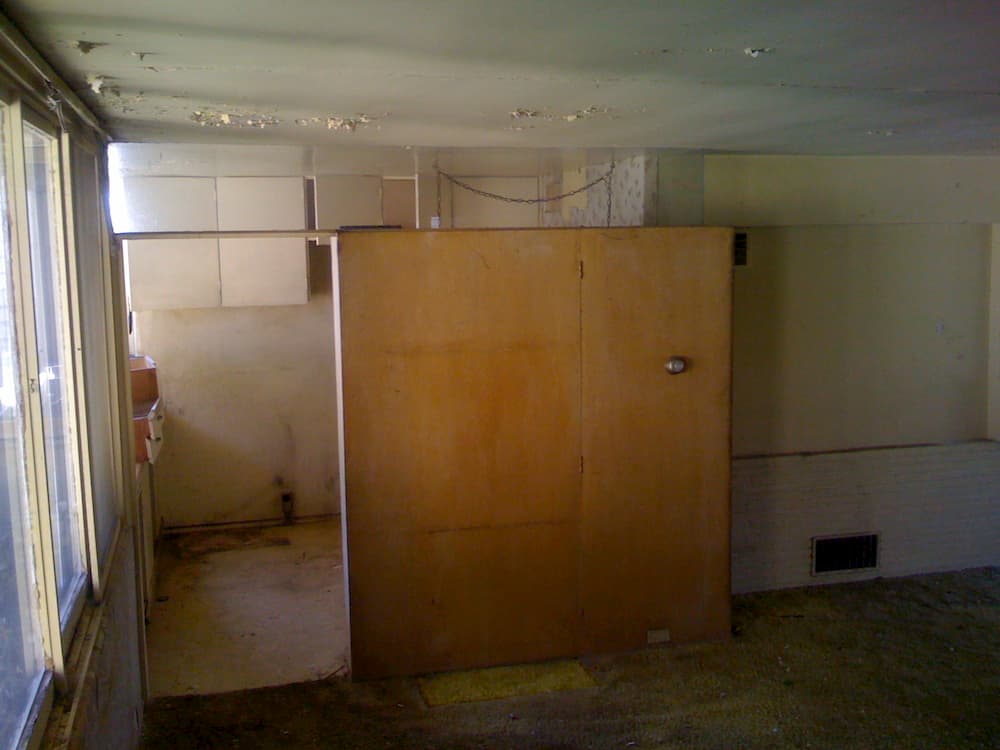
[837,77]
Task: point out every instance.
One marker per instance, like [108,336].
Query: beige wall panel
[993,374]
[169,204]
[399,203]
[264,271]
[799,190]
[426,199]
[461,398]
[250,396]
[655,514]
[247,203]
[430,205]
[848,337]
[212,160]
[470,210]
[680,190]
[173,274]
[343,200]
[356,159]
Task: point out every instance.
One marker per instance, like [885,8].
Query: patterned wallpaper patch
[633,196]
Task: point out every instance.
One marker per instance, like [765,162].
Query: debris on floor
[246,608]
[905,663]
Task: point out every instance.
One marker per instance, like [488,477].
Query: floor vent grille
[833,554]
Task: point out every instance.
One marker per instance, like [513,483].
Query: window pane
[21,664]
[96,375]
[54,375]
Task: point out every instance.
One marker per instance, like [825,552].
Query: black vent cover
[740,249]
[854,552]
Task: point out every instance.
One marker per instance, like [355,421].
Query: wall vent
[740,249]
[837,553]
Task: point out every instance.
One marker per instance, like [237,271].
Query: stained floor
[907,663]
[247,608]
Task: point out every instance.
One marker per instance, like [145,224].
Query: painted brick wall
[936,508]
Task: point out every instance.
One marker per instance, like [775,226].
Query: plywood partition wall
[462,417]
[484,371]
[654,537]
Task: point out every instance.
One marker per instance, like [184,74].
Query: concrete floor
[908,663]
[247,608]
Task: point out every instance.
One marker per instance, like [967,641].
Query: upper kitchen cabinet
[261,203]
[169,204]
[186,272]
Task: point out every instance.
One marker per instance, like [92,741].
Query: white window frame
[98,566]
[28,116]
[57,636]
[44,572]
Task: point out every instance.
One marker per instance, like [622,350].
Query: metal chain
[507,199]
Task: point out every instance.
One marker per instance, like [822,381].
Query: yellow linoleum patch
[503,682]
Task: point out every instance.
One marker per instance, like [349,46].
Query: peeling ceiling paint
[581,114]
[775,76]
[342,124]
[84,47]
[233,119]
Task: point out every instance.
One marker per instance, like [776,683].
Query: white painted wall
[993,377]
[848,337]
[864,318]
[680,190]
[250,397]
[343,200]
[210,160]
[864,315]
[748,191]
[470,210]
[249,390]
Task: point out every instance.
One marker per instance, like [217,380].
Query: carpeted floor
[906,663]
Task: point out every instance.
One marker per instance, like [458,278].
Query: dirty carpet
[906,663]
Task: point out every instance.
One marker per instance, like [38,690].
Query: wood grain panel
[429,602]
[655,516]
[473,537]
[461,401]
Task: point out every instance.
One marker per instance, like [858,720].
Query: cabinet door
[170,274]
[655,515]
[248,203]
[461,414]
[264,271]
